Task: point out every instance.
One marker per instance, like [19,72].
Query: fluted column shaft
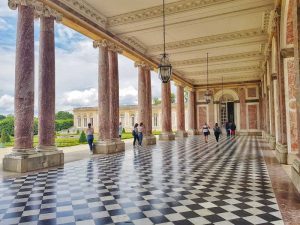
[242,95]
[166,107]
[180,109]
[47,84]
[114,94]
[24,80]
[103,93]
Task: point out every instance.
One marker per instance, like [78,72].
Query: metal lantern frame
[207,94]
[164,66]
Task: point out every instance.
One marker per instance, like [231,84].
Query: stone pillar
[272,139]
[296,28]
[281,145]
[47,86]
[166,112]
[108,99]
[149,138]
[242,96]
[192,113]
[24,158]
[180,111]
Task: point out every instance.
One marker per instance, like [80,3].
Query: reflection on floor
[178,182]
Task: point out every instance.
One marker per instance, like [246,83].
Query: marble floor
[178,182]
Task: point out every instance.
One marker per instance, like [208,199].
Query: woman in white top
[90,136]
[205,130]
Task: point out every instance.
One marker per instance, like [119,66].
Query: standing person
[233,128]
[227,127]
[135,134]
[206,132]
[217,131]
[90,136]
[140,133]
[120,130]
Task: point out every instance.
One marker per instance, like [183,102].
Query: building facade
[128,117]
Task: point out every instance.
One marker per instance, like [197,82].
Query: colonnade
[24,156]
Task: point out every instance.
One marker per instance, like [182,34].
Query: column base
[281,153]
[149,140]
[167,136]
[22,163]
[43,148]
[296,173]
[272,142]
[109,147]
[181,134]
[292,156]
[193,132]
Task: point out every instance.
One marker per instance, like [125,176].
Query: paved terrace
[184,182]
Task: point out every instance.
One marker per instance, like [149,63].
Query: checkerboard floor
[171,183]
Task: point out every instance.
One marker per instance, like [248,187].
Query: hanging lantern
[207,94]
[164,67]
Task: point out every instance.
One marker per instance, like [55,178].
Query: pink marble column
[47,85]
[103,94]
[192,113]
[180,110]
[147,72]
[113,93]
[24,80]
[281,89]
[142,98]
[242,96]
[166,112]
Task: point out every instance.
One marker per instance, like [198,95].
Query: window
[92,121]
[155,119]
[79,122]
[84,122]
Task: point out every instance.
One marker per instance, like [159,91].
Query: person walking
[140,133]
[217,132]
[120,130]
[206,132]
[232,129]
[90,137]
[135,134]
[227,127]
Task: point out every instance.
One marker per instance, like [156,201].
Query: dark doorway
[230,111]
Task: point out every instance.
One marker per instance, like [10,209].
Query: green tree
[186,96]
[7,124]
[4,136]
[173,98]
[156,101]
[82,138]
[2,117]
[63,124]
[62,115]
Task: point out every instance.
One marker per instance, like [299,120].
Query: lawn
[65,140]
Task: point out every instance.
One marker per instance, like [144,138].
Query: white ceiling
[233,32]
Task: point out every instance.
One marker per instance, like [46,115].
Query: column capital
[13,4]
[42,10]
[179,84]
[109,44]
[143,64]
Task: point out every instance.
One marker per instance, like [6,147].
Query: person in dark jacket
[217,132]
[135,134]
[232,129]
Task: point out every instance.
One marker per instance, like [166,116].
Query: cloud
[5,11]
[4,25]
[6,104]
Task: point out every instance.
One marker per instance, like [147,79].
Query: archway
[229,110]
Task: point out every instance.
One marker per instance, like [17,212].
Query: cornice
[210,39]
[225,70]
[220,58]
[156,11]
[134,42]
[86,10]
[143,65]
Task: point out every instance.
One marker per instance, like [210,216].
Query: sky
[76,68]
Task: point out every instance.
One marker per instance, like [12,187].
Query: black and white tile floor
[179,182]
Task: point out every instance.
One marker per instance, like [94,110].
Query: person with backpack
[217,132]
[135,134]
